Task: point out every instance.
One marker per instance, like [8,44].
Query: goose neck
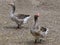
[12,11]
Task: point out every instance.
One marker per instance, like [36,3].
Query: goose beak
[37,14]
[11,4]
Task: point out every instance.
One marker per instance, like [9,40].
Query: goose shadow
[26,42]
[15,27]
[31,42]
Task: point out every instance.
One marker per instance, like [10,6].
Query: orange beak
[37,14]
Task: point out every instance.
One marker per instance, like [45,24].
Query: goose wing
[36,34]
[22,16]
[44,34]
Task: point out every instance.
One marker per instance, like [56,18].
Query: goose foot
[40,40]
[18,26]
[35,41]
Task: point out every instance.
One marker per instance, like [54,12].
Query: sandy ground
[49,17]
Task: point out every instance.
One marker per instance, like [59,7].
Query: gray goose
[38,32]
[18,18]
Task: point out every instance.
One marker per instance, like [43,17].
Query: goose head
[11,4]
[36,17]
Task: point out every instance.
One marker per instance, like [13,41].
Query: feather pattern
[19,18]
[38,32]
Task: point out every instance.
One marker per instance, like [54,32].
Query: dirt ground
[49,17]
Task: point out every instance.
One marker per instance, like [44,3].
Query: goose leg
[18,26]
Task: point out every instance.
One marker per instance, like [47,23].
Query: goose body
[18,18]
[38,33]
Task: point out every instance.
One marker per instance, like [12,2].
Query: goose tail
[26,19]
[47,31]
